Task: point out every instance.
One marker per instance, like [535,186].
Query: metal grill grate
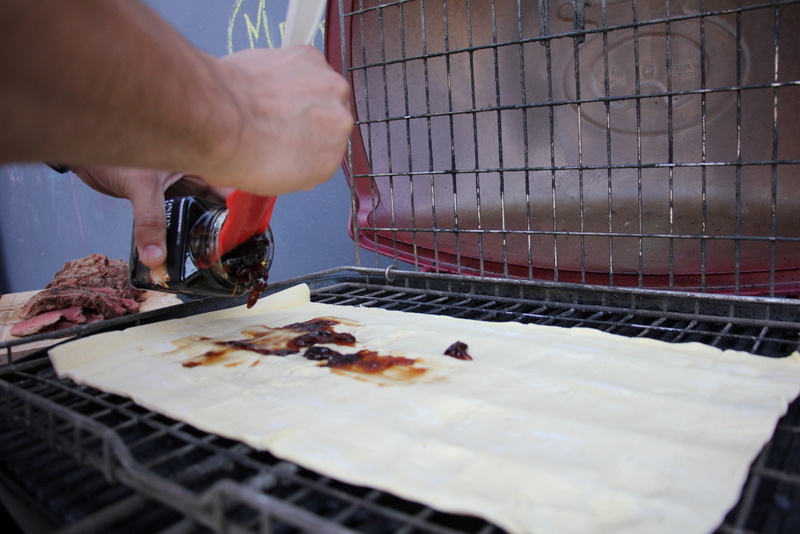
[202,482]
[29,466]
[635,143]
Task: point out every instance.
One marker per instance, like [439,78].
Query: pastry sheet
[547,430]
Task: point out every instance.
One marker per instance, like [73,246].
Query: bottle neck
[240,268]
[205,239]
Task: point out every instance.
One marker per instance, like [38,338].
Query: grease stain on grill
[307,337]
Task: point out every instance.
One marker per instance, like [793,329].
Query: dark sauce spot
[321,337]
[318,331]
[321,353]
[458,350]
[341,360]
[253,347]
[312,325]
[363,361]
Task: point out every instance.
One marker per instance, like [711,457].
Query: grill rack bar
[224,486]
[100,506]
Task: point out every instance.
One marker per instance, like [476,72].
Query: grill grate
[642,143]
[32,468]
[122,459]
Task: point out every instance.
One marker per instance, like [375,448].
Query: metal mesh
[95,461]
[636,143]
[30,467]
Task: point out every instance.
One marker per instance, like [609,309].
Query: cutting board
[11,305]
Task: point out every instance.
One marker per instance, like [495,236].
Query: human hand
[130,91]
[294,121]
[147,189]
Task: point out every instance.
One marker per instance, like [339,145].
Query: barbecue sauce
[285,341]
[290,339]
[193,265]
[363,361]
[458,350]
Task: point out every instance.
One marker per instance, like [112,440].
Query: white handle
[302,20]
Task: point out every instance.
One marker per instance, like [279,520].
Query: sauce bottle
[193,265]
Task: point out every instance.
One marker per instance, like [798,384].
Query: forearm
[109,82]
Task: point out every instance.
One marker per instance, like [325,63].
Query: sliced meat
[84,291]
[51,320]
[96,270]
[74,314]
[109,306]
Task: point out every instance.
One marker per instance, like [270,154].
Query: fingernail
[152,253]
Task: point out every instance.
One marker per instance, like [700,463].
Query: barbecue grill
[625,166]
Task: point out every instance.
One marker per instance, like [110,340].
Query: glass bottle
[193,265]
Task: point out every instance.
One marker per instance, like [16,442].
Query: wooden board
[11,305]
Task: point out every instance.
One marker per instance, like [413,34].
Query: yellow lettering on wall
[258,32]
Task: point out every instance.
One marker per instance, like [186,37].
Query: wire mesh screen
[632,143]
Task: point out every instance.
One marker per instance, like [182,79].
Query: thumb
[149,225]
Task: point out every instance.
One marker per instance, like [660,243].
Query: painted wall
[47,219]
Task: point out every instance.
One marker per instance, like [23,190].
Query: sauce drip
[458,350]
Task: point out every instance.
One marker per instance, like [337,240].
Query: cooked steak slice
[84,291]
[59,297]
[96,270]
[73,314]
[51,320]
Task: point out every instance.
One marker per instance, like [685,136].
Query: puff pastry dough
[547,430]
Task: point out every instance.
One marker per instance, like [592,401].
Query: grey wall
[47,219]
